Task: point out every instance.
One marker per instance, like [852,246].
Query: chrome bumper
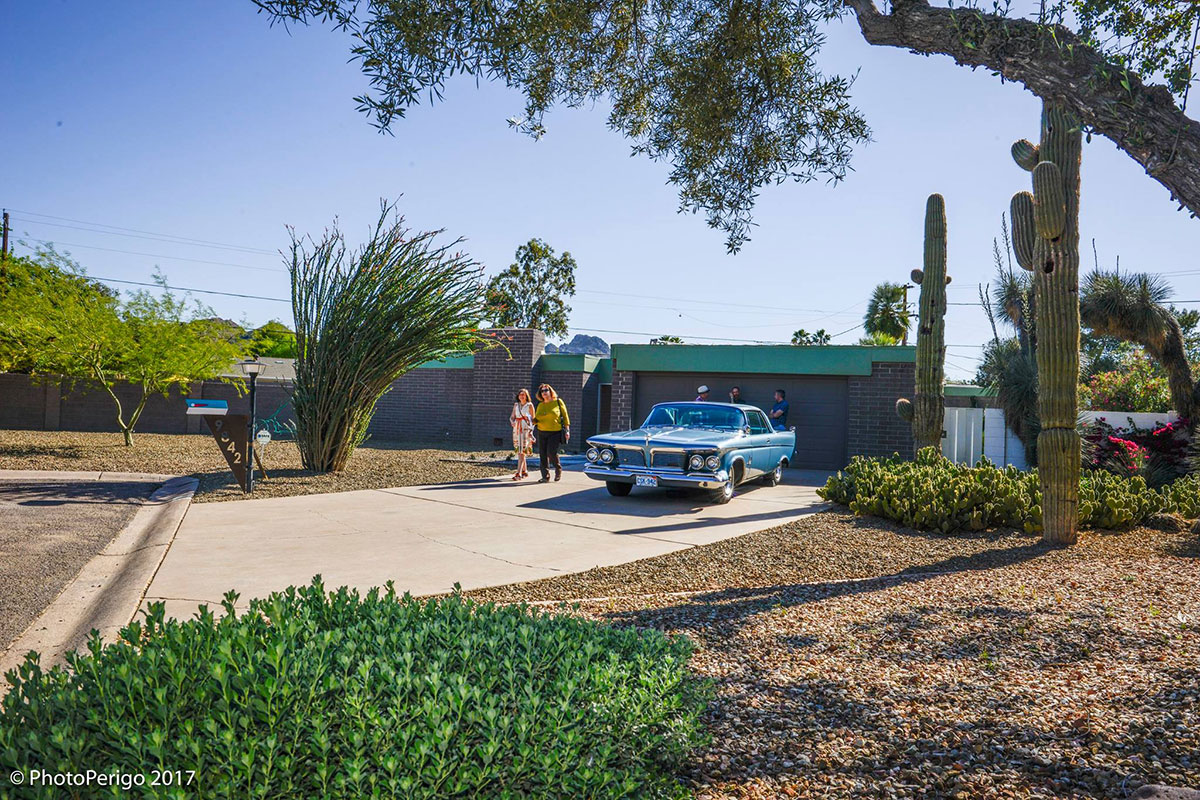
[673,480]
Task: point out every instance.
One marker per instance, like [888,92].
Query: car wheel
[618,489]
[774,477]
[724,494]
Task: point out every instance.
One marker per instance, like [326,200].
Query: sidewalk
[426,538]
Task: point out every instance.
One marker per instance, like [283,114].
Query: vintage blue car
[713,446]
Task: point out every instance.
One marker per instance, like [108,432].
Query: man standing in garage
[779,411]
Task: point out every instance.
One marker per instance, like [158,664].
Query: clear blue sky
[198,120]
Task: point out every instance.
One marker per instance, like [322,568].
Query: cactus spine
[928,408]
[1046,242]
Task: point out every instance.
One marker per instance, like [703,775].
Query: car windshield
[690,415]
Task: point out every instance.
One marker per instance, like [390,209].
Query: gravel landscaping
[854,658]
[373,465]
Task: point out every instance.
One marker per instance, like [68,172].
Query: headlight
[712,463]
[592,454]
[607,456]
[696,462]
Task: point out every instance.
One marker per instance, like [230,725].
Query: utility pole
[4,248]
[906,287]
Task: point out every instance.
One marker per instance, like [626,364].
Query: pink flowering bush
[1158,454]
[1138,386]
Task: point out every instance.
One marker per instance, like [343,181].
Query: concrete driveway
[426,538]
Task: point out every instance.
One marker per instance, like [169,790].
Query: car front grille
[631,458]
[668,460]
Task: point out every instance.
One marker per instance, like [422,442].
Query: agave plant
[364,318]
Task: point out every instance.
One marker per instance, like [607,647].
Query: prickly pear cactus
[1046,242]
[928,408]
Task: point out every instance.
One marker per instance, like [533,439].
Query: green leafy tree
[364,318]
[887,313]
[666,339]
[532,292]
[273,340]
[1138,385]
[732,95]
[804,338]
[153,341]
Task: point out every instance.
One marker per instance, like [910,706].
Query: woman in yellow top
[553,429]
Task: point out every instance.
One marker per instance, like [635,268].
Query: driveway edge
[107,592]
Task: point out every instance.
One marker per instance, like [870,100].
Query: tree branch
[1054,64]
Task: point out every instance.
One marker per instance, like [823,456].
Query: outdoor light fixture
[251,368]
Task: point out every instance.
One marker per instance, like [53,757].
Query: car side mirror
[745,430]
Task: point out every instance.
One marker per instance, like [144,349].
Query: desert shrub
[1140,385]
[933,493]
[316,695]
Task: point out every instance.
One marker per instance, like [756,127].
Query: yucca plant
[364,318]
[1132,307]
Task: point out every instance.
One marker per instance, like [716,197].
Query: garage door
[819,409]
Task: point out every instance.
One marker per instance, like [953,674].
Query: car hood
[681,437]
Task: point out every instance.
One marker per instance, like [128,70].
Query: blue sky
[197,120]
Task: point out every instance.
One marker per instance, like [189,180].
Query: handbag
[566,429]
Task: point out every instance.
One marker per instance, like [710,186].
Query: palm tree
[1132,308]
[886,312]
[879,339]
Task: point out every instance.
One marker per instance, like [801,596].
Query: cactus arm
[1049,200]
[1021,211]
[1025,153]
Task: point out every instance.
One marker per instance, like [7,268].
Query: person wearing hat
[702,394]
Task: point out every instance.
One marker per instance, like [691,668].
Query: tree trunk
[1173,358]
[1054,64]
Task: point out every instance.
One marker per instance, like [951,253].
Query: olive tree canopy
[731,94]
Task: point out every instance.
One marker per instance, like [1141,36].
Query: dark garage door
[818,410]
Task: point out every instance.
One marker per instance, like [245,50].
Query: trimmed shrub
[316,695]
[934,494]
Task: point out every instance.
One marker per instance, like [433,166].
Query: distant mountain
[582,345]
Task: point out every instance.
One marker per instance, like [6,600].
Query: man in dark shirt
[779,411]
[735,395]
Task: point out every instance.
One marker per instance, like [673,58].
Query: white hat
[702,389]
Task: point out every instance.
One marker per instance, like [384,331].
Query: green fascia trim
[768,359]
[451,362]
[575,362]
[967,390]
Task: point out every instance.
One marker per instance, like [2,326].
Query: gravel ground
[373,466]
[48,531]
[976,667]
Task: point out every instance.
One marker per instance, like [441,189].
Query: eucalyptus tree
[364,317]
[732,95]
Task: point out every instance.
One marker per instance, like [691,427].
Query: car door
[758,444]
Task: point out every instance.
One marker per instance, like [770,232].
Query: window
[758,423]
[695,415]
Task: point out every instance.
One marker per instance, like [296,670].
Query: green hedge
[933,493]
[316,695]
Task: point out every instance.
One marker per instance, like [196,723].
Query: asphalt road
[48,531]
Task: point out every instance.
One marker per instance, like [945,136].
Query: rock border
[108,591]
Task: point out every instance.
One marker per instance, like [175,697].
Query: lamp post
[251,368]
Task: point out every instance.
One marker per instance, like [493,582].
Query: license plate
[646,480]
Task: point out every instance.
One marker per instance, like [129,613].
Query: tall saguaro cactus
[1046,242]
[927,409]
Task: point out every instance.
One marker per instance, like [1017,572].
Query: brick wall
[622,399]
[23,403]
[875,429]
[426,405]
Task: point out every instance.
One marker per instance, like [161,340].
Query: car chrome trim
[670,479]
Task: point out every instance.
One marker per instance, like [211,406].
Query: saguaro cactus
[928,408]
[1045,228]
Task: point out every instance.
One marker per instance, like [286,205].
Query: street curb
[108,591]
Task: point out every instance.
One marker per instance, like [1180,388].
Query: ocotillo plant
[928,408]
[1046,242]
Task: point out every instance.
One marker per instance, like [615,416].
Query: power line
[185,289]
[182,239]
[158,255]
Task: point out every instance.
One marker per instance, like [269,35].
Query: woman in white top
[522,428]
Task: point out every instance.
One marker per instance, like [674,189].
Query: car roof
[708,403]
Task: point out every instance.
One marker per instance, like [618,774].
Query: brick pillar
[622,399]
[875,428]
[498,373]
